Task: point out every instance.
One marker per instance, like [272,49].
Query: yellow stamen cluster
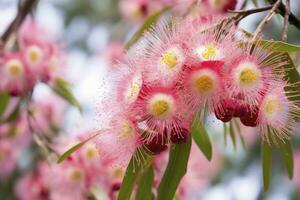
[34,54]
[208,52]
[248,77]
[204,84]
[161,106]
[170,58]
[75,175]
[91,152]
[134,89]
[15,68]
[127,129]
[272,106]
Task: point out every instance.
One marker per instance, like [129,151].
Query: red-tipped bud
[179,136]
[157,145]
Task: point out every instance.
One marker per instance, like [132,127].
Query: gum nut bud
[250,118]
[228,110]
[240,110]
[157,144]
[116,186]
[230,5]
[179,136]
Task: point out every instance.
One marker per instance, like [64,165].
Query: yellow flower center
[34,54]
[208,52]
[161,106]
[91,152]
[134,89]
[127,129]
[170,58]
[272,106]
[76,175]
[118,173]
[204,84]
[15,68]
[248,76]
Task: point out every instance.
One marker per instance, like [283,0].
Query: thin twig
[251,11]
[286,20]
[23,10]
[282,10]
[266,20]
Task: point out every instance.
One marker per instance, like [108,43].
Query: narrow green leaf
[286,151]
[201,138]
[232,134]
[74,148]
[238,128]
[15,113]
[144,191]
[255,3]
[176,169]
[225,130]
[62,88]
[4,100]
[266,159]
[280,46]
[147,24]
[132,174]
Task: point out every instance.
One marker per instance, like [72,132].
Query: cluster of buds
[36,57]
[183,67]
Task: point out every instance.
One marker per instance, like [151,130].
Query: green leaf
[144,191]
[4,100]
[15,113]
[147,24]
[255,3]
[225,130]
[238,128]
[201,138]
[176,169]
[286,151]
[132,174]
[280,46]
[266,158]
[74,148]
[62,88]
[232,134]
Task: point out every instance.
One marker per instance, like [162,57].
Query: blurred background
[93,33]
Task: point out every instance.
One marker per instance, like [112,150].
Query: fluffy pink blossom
[277,114]
[14,73]
[34,186]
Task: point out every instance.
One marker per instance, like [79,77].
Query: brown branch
[266,20]
[23,10]
[282,10]
[286,20]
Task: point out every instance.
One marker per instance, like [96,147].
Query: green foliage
[74,148]
[133,172]
[4,100]
[62,88]
[201,138]
[286,150]
[266,159]
[144,190]
[176,169]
